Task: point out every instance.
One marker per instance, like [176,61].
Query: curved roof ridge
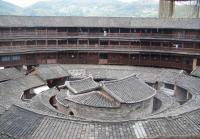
[82,86]
[88,93]
[98,121]
[81,79]
[85,99]
[129,90]
[113,81]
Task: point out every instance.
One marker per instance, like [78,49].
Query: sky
[23,3]
[26,3]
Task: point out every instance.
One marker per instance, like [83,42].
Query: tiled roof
[196,72]
[40,103]
[12,90]
[10,73]
[21,123]
[31,81]
[18,122]
[47,72]
[129,90]
[82,86]
[190,83]
[94,99]
[167,102]
[168,76]
[75,21]
[107,74]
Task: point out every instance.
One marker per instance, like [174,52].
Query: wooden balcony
[126,48]
[20,35]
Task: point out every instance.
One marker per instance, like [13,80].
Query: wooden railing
[99,47]
[150,61]
[96,35]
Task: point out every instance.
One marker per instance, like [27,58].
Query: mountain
[9,9]
[86,8]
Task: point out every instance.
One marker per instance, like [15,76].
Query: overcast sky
[25,3]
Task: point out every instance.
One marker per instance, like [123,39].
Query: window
[71,113]
[187,62]
[10,58]
[103,56]
[72,56]
[166,58]
[5,58]
[15,58]
[169,86]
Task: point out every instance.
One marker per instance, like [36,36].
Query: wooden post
[129,58]
[36,43]
[10,31]
[194,64]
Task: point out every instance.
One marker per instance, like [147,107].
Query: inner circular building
[100,77]
[67,100]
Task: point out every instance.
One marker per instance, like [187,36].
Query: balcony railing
[97,47]
[97,35]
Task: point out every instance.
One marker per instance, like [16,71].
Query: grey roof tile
[184,125]
[29,82]
[18,123]
[82,86]
[168,76]
[75,21]
[94,99]
[196,72]
[10,73]
[47,72]
[21,123]
[129,90]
